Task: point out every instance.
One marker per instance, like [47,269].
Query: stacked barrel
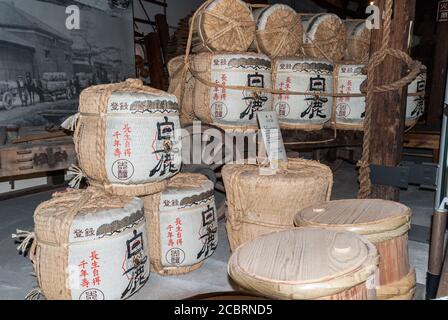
[138,213]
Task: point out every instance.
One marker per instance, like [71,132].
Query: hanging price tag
[272,138]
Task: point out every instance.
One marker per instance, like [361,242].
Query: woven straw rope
[403,289]
[376,59]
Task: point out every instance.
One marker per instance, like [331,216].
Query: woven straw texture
[182,181]
[306,264]
[89,135]
[279,31]
[358,41]
[384,223]
[223,25]
[258,204]
[175,70]
[53,220]
[325,36]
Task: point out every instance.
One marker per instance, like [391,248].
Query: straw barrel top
[224,25]
[358,40]
[89,245]
[186,210]
[325,36]
[303,263]
[279,31]
[128,137]
[379,220]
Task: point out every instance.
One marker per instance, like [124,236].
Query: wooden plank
[422,141]
[389,114]
[439,71]
[156,74]
[443,285]
[164,34]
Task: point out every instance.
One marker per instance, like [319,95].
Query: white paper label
[239,106]
[296,76]
[415,106]
[108,256]
[350,110]
[272,138]
[188,227]
[144,146]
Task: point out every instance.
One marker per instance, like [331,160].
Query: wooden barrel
[223,25]
[182,224]
[183,94]
[279,31]
[230,108]
[90,245]
[384,223]
[127,137]
[305,112]
[350,111]
[258,204]
[358,41]
[325,36]
[307,264]
[415,105]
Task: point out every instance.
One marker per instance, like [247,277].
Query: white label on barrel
[108,258]
[311,77]
[238,107]
[415,106]
[350,110]
[188,228]
[143,141]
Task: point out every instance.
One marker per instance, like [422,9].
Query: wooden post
[152,43]
[388,118]
[439,71]
[164,33]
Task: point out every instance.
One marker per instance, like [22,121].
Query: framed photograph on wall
[50,50]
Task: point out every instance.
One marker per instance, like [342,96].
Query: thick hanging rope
[376,59]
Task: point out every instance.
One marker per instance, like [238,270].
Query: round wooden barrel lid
[378,219]
[303,263]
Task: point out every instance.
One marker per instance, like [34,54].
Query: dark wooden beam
[388,118]
[439,71]
[156,74]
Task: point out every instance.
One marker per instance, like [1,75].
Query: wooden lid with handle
[379,220]
[303,263]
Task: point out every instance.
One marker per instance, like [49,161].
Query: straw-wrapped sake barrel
[384,223]
[182,224]
[307,264]
[306,112]
[259,204]
[182,88]
[325,36]
[230,108]
[223,25]
[128,138]
[350,111]
[415,106]
[358,41]
[279,31]
[90,245]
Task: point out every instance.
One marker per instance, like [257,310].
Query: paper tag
[272,138]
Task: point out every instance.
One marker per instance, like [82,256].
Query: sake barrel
[182,224]
[259,204]
[230,108]
[415,104]
[279,31]
[182,88]
[384,223]
[358,41]
[325,36]
[223,25]
[311,76]
[307,264]
[90,246]
[350,111]
[128,138]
